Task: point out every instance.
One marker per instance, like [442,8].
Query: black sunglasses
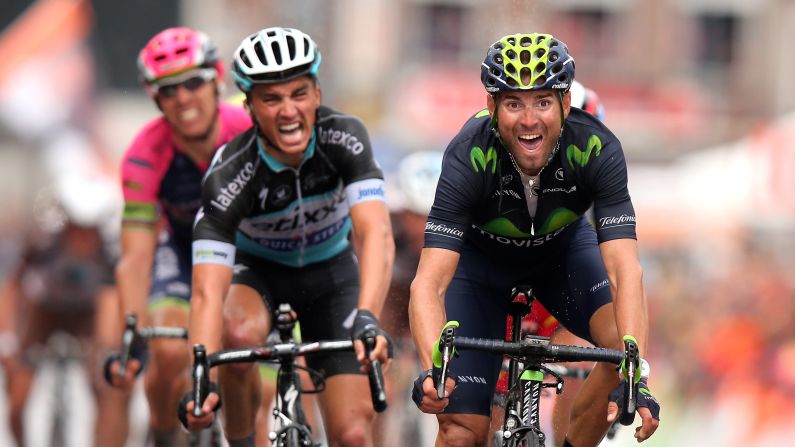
[192,84]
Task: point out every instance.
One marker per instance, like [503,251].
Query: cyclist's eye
[194,83]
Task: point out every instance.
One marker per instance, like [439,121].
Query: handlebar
[132,336]
[632,360]
[540,350]
[202,362]
[375,375]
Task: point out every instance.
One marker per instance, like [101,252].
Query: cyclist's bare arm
[375,248]
[624,270]
[427,315]
[626,279]
[134,270]
[209,287]
[426,306]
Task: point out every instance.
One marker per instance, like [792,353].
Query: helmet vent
[553,57]
[526,76]
[541,80]
[290,47]
[512,41]
[526,41]
[495,72]
[524,56]
[510,68]
[540,53]
[510,54]
[276,53]
[540,67]
[511,82]
[498,59]
[244,58]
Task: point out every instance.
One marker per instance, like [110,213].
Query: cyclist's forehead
[527,96]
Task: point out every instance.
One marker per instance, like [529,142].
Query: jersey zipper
[301,214]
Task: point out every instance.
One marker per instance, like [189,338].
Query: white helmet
[274,55]
[587,100]
[418,174]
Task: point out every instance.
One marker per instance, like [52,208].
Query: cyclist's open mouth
[530,142]
[292,133]
[188,114]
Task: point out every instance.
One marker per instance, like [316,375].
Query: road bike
[529,356]
[290,427]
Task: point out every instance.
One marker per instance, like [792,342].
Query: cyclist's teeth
[528,137]
[290,127]
[188,114]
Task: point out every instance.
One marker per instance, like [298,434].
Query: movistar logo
[576,156]
[480,161]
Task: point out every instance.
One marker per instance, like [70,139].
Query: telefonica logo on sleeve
[233,188]
[616,221]
[443,229]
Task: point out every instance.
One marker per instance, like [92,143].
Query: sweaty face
[286,113]
[529,124]
[190,107]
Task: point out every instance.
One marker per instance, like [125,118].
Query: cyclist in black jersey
[509,209]
[62,283]
[278,206]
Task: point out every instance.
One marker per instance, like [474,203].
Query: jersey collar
[275,165]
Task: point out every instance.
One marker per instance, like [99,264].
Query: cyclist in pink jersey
[161,174]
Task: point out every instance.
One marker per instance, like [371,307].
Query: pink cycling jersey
[158,179]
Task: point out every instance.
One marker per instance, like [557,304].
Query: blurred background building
[698,91]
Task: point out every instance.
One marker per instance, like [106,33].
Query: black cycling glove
[365,321]
[182,408]
[645,399]
[138,351]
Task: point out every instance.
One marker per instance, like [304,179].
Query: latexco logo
[481,161]
[233,188]
[341,138]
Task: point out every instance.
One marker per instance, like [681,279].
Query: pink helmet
[174,51]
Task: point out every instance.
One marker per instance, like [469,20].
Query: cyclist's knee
[456,432]
[169,357]
[352,435]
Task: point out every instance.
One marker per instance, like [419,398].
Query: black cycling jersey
[292,216]
[480,198]
[60,279]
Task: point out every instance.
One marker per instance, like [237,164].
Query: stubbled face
[191,113]
[286,114]
[529,124]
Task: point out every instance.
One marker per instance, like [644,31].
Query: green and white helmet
[527,62]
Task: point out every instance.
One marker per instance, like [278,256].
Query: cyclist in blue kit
[509,209]
[279,204]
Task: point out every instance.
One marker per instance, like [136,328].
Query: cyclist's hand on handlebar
[648,409]
[111,371]
[424,393]
[364,324]
[210,406]
[380,352]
